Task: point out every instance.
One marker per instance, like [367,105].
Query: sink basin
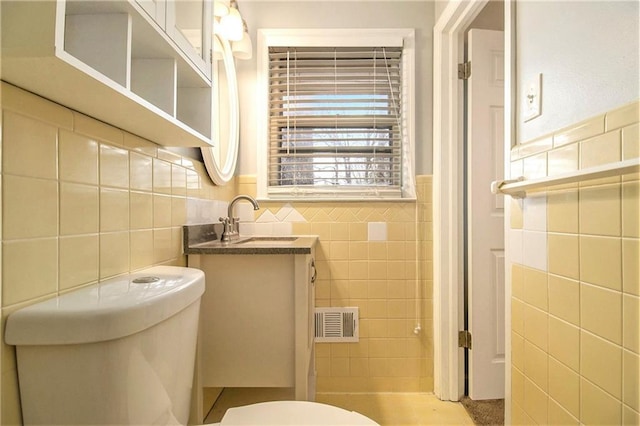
[266,240]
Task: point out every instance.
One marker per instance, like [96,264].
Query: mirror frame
[222,173]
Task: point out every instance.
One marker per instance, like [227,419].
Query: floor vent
[337,325]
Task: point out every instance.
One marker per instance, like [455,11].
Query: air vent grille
[336,325]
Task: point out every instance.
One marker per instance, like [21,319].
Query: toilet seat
[293,413]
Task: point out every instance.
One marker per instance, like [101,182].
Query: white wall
[332,14]
[587,52]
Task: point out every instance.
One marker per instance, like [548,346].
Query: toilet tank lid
[111,309]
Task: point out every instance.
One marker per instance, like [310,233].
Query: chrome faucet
[232,224]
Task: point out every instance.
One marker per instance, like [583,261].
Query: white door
[485,123]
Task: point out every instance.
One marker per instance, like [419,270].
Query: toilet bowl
[299,413]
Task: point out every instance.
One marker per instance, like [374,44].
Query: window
[337,117]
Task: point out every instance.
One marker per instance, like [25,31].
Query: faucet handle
[224,220]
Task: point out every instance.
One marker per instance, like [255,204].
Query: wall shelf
[519,187]
[109,60]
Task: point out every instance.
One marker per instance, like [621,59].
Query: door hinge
[464,339]
[464,70]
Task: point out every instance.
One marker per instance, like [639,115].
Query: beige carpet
[485,412]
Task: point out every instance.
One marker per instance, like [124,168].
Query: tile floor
[387,409]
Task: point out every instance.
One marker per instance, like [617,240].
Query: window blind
[335,119]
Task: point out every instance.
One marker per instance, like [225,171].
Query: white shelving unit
[110,60]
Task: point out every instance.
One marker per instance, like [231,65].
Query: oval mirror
[220,160]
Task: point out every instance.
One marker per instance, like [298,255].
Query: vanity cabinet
[124,62]
[257,324]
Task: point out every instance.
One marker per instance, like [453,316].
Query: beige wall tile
[178,180]
[564,299]
[517,316]
[535,146]
[631,323]
[161,176]
[141,210]
[536,365]
[600,210]
[563,160]
[178,211]
[78,158]
[517,281]
[585,129]
[631,142]
[162,245]
[141,248]
[601,261]
[559,416]
[630,375]
[629,416]
[602,149]
[97,129]
[79,209]
[78,260]
[114,253]
[564,255]
[562,211]
[114,166]
[564,387]
[517,351]
[564,343]
[30,269]
[601,312]
[135,143]
[29,147]
[597,407]
[535,288]
[114,210]
[140,172]
[516,214]
[26,103]
[517,386]
[30,207]
[161,211]
[601,363]
[623,116]
[535,166]
[536,327]
[535,402]
[631,209]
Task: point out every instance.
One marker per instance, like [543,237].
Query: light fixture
[231,24]
[243,49]
[220,8]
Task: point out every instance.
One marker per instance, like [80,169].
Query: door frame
[448,184]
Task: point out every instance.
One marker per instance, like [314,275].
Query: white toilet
[122,352]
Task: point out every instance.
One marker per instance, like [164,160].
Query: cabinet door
[189,24]
[156,9]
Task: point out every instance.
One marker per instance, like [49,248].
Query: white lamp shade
[242,49]
[231,25]
[221,8]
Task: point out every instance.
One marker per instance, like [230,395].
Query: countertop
[203,239]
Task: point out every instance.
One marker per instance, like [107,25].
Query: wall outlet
[532,98]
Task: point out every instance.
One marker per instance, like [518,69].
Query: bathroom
[84,201]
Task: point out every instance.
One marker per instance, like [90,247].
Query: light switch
[533,98]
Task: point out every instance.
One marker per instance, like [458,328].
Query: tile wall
[83,201]
[378,257]
[575,279]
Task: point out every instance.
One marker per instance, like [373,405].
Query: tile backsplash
[575,313]
[83,201]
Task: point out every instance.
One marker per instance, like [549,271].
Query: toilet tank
[120,352]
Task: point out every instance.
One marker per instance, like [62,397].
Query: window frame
[404,37]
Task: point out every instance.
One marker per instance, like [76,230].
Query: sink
[266,240]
